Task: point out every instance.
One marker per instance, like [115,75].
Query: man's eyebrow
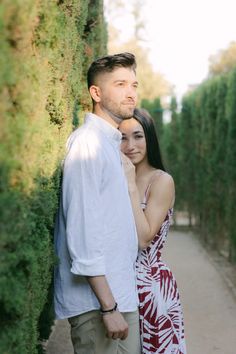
[123,80]
[120,80]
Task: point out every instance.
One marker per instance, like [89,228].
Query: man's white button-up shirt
[95,231]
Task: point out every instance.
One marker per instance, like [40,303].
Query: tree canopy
[223,61]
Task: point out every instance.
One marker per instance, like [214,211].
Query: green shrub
[46,48]
[206,160]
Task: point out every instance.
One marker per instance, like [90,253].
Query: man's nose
[132,92]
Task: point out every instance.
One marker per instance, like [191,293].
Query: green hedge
[46,47]
[206,169]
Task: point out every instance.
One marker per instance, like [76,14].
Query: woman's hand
[129,170]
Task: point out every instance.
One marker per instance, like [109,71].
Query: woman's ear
[95,93]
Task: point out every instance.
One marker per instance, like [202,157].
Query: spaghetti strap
[146,194]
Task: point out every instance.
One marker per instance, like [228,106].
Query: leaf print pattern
[161,316]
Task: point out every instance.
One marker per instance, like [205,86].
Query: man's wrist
[109,311]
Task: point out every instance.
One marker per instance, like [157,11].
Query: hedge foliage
[202,156]
[46,47]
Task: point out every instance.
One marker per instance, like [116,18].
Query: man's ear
[95,93]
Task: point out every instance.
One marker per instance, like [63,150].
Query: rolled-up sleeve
[82,206]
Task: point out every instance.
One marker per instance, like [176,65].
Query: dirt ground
[207,285]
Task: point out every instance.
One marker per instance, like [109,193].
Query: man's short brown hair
[108,63]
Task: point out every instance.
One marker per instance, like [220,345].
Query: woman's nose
[130,144]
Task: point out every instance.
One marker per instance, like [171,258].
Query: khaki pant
[89,336]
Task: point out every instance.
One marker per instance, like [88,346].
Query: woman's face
[133,143]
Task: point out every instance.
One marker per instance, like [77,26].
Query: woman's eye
[123,138]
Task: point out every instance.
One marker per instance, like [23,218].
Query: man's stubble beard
[118,114]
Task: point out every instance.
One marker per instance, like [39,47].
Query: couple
[113,207]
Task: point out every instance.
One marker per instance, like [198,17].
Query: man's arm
[82,208]
[114,322]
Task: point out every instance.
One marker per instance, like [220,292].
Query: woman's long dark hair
[152,144]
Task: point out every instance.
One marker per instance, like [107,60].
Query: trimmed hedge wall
[205,168]
[46,47]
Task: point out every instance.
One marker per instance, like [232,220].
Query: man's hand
[116,325]
[114,322]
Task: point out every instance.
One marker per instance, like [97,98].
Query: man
[95,234]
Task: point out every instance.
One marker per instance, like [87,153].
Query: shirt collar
[104,126]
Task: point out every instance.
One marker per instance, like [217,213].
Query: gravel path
[208,294]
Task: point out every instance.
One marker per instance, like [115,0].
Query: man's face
[118,93]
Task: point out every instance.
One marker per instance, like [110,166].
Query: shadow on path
[59,341]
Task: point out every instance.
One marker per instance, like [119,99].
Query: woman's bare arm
[161,197]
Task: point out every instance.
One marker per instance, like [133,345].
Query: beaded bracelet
[106,312]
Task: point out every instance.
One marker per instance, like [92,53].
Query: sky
[181,35]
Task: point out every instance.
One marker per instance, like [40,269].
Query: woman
[152,194]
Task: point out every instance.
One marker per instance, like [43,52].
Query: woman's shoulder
[163,187]
[162,183]
[159,177]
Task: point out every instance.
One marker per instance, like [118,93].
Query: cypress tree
[231,166]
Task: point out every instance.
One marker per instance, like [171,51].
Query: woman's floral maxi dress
[161,316]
